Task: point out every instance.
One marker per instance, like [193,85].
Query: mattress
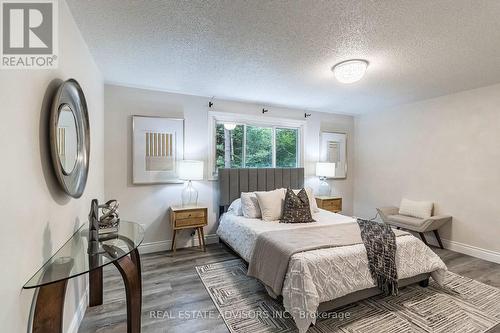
[323,275]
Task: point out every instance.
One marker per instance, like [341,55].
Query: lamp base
[324,188]
[189,195]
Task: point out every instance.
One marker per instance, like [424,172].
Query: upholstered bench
[392,216]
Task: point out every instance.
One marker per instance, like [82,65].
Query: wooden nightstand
[332,204]
[189,218]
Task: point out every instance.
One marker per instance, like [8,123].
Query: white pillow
[235,207]
[312,200]
[420,209]
[249,205]
[271,204]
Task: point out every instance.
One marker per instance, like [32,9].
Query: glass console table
[72,259]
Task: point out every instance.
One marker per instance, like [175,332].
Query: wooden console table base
[49,308]
[95,287]
[130,271]
[51,281]
[48,316]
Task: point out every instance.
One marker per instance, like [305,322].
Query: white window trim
[214,117]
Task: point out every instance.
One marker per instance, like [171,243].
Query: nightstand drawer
[332,205]
[189,214]
[189,222]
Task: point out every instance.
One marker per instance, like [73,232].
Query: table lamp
[324,170]
[189,170]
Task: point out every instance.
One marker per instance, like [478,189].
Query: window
[255,146]
[258,147]
[286,147]
[229,147]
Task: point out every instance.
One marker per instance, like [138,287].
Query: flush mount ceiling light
[350,71]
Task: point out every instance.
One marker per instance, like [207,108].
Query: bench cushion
[407,221]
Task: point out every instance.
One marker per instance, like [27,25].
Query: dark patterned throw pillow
[296,208]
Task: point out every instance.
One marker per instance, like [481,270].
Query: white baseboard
[79,313]
[167,244]
[472,251]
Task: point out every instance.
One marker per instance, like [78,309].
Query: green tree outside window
[252,147]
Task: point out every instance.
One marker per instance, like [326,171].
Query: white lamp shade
[190,170]
[325,169]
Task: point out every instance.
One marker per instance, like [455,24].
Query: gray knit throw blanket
[380,244]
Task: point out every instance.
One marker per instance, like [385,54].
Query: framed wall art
[157,146]
[334,150]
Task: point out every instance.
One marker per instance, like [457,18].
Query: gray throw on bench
[273,249]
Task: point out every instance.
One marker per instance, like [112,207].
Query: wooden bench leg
[436,233]
[423,238]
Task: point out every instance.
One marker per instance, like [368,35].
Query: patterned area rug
[462,305]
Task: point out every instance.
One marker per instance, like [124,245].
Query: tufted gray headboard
[234,181]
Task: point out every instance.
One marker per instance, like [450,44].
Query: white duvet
[322,275]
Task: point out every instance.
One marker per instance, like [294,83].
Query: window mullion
[244,162]
[298,155]
[274,146]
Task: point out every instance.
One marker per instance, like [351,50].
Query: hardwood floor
[175,300]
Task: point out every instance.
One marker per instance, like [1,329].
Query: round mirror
[67,140]
[70,138]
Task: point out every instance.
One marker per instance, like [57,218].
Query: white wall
[149,204]
[36,217]
[446,150]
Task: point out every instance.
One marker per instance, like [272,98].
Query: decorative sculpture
[107,224]
[110,220]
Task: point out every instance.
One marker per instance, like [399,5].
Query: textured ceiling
[281,52]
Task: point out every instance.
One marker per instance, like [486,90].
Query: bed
[323,279]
